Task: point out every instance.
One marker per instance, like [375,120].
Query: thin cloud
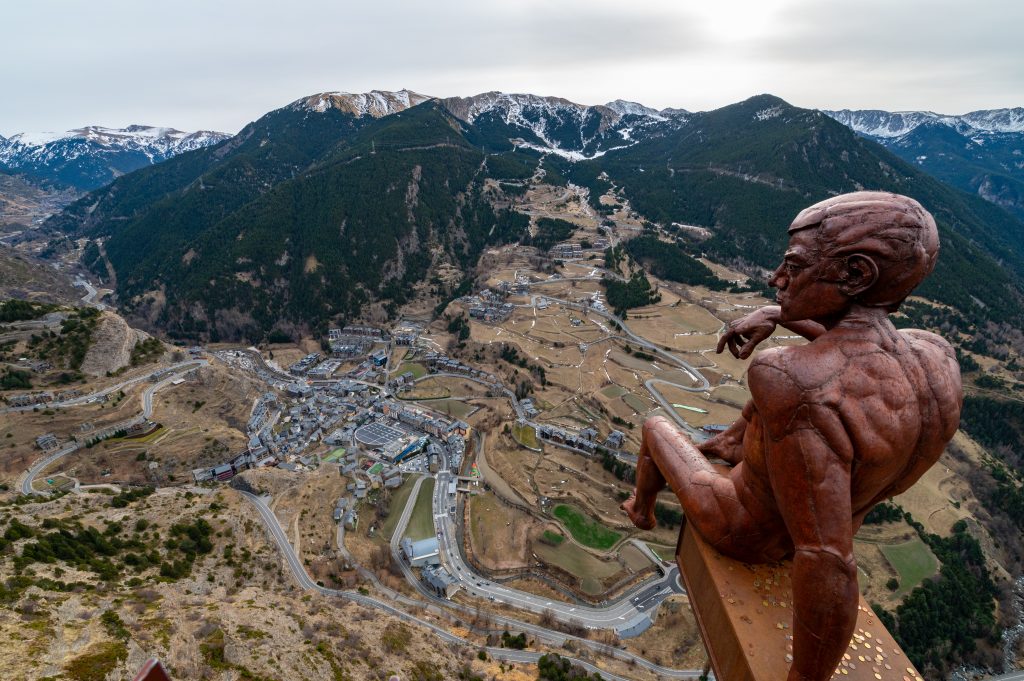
[198,64]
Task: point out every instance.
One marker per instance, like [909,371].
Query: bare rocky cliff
[111,349]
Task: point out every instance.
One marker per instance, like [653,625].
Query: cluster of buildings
[444,364]
[36,365]
[425,554]
[529,408]
[47,441]
[324,370]
[45,397]
[566,250]
[315,412]
[281,431]
[261,412]
[488,306]
[519,287]
[587,440]
[415,431]
[28,399]
[345,513]
[404,381]
[302,367]
[355,341]
[405,334]
[418,419]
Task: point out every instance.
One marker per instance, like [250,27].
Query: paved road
[627,613]
[147,411]
[700,379]
[37,468]
[490,384]
[147,395]
[695,433]
[1009,676]
[90,297]
[85,399]
[554,638]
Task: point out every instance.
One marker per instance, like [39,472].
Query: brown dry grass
[311,500]
[674,640]
[191,437]
[266,622]
[499,534]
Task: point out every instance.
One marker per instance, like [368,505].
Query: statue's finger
[733,348]
[754,340]
[722,341]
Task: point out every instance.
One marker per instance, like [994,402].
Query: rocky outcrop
[112,344]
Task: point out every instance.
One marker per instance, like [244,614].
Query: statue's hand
[744,334]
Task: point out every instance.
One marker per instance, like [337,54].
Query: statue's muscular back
[866,390]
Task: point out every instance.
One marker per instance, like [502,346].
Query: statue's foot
[644,521]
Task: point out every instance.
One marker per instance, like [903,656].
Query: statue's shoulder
[796,368]
[928,342]
[940,368]
[781,378]
[785,381]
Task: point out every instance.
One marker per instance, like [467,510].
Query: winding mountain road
[548,636]
[176,370]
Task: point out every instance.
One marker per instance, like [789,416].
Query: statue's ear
[860,273]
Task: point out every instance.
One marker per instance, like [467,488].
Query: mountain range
[980,152]
[90,157]
[337,200]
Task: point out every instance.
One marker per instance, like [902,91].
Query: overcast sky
[211,64]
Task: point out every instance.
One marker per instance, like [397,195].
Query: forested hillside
[302,219]
[322,211]
[744,171]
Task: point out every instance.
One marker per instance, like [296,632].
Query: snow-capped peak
[376,103]
[556,125]
[885,124]
[996,120]
[132,137]
[625,108]
[90,156]
[511,105]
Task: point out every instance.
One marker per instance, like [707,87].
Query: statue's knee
[657,424]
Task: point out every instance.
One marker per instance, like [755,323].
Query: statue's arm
[728,445]
[806,328]
[747,332]
[809,458]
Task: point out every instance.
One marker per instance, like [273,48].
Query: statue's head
[869,248]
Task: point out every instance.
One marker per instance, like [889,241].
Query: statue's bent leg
[708,498]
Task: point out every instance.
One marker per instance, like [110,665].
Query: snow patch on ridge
[624,108]
[565,153]
[157,143]
[376,103]
[885,124]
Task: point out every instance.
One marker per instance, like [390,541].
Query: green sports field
[584,529]
[912,560]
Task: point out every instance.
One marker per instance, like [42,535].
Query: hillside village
[431,487]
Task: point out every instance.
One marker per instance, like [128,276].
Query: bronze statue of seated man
[834,426]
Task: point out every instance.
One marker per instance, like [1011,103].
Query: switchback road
[553,638]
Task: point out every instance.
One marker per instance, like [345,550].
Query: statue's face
[804,291]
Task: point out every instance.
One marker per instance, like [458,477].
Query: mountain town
[360,391]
